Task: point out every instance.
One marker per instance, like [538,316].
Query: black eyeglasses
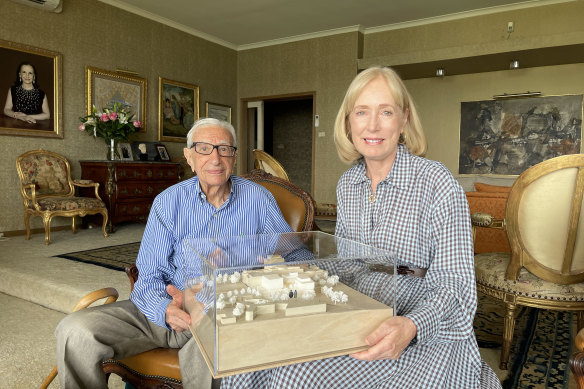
[207,149]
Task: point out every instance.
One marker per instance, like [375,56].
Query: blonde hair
[413,134]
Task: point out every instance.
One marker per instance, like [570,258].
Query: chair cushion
[160,362]
[48,172]
[68,203]
[490,271]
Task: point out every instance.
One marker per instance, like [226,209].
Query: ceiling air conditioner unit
[45,5]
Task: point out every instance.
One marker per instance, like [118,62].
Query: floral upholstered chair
[48,191]
[544,220]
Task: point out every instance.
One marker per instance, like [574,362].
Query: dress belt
[401,270]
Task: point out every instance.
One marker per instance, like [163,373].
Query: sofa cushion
[482,187]
[489,240]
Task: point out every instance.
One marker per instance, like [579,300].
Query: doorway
[283,127]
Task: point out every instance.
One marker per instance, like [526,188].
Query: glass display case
[263,301]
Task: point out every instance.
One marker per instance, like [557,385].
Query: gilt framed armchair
[269,164]
[544,221]
[48,191]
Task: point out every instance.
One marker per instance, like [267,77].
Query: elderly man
[212,204]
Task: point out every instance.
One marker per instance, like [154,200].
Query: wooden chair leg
[27,224]
[74,225]
[47,223]
[508,328]
[104,214]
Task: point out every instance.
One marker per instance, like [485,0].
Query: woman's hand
[175,316]
[24,117]
[389,340]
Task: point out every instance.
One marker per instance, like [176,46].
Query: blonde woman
[395,199]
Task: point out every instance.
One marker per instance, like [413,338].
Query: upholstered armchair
[544,223]
[47,191]
[269,164]
[159,368]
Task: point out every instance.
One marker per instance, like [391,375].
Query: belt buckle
[404,270]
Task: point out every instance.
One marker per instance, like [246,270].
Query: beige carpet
[30,274]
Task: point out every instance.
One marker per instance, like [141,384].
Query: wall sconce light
[514,64]
[440,72]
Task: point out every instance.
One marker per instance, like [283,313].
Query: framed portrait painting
[105,87]
[178,109]
[30,91]
[218,111]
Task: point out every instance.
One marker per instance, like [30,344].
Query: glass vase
[112,151]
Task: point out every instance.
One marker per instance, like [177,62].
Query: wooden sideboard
[129,187]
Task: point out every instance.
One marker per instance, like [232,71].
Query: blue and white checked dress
[421,215]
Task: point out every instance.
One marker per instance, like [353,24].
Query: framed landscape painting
[105,87]
[30,91]
[510,135]
[178,109]
[218,111]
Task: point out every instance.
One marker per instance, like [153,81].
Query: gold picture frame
[104,87]
[178,109]
[218,111]
[47,66]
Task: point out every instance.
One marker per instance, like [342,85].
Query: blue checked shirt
[183,210]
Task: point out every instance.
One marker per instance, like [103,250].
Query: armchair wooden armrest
[109,294]
[481,219]
[88,184]
[29,194]
[577,360]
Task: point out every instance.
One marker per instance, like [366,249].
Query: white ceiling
[243,24]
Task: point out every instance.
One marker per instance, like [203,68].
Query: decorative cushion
[481,187]
[490,271]
[489,240]
[68,203]
[50,174]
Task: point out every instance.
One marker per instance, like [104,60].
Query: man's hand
[176,318]
[389,340]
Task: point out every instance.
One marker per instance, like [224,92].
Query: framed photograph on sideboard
[30,91]
[125,151]
[163,153]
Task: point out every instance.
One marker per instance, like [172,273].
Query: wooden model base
[274,339]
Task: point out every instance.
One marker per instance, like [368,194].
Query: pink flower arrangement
[114,122]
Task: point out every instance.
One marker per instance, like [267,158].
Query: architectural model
[292,290]
[282,314]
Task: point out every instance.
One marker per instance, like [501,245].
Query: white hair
[211,122]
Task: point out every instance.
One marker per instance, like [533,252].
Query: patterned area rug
[542,343]
[112,257]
